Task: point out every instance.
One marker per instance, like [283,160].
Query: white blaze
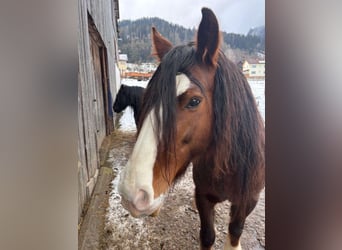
[138,173]
[182,84]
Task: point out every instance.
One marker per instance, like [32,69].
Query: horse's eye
[193,103]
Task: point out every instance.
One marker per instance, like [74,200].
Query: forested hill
[136,42]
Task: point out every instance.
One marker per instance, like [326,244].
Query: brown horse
[198,107]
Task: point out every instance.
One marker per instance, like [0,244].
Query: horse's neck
[135,103]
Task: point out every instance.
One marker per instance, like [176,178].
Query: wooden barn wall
[102,12]
[92,129]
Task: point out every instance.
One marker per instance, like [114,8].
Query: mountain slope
[136,43]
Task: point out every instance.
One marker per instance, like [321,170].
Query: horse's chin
[153,210]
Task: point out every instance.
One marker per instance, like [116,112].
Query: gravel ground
[177,226]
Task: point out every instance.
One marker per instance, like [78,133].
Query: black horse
[129,96]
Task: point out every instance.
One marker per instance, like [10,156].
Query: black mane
[237,137]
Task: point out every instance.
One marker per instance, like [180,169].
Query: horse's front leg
[207,213]
[238,214]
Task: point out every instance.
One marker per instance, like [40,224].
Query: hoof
[228,246]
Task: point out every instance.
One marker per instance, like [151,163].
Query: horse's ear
[208,38]
[160,45]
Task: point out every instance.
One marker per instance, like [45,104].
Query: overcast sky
[236,16]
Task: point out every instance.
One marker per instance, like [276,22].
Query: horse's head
[121,100]
[176,120]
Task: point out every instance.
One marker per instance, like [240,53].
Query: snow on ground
[258,89]
[178,225]
[133,82]
[126,122]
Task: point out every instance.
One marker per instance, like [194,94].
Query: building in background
[253,68]
[123,64]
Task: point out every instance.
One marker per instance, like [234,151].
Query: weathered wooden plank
[81,166]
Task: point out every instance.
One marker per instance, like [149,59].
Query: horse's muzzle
[140,209]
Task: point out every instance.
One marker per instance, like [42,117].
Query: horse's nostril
[141,200]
